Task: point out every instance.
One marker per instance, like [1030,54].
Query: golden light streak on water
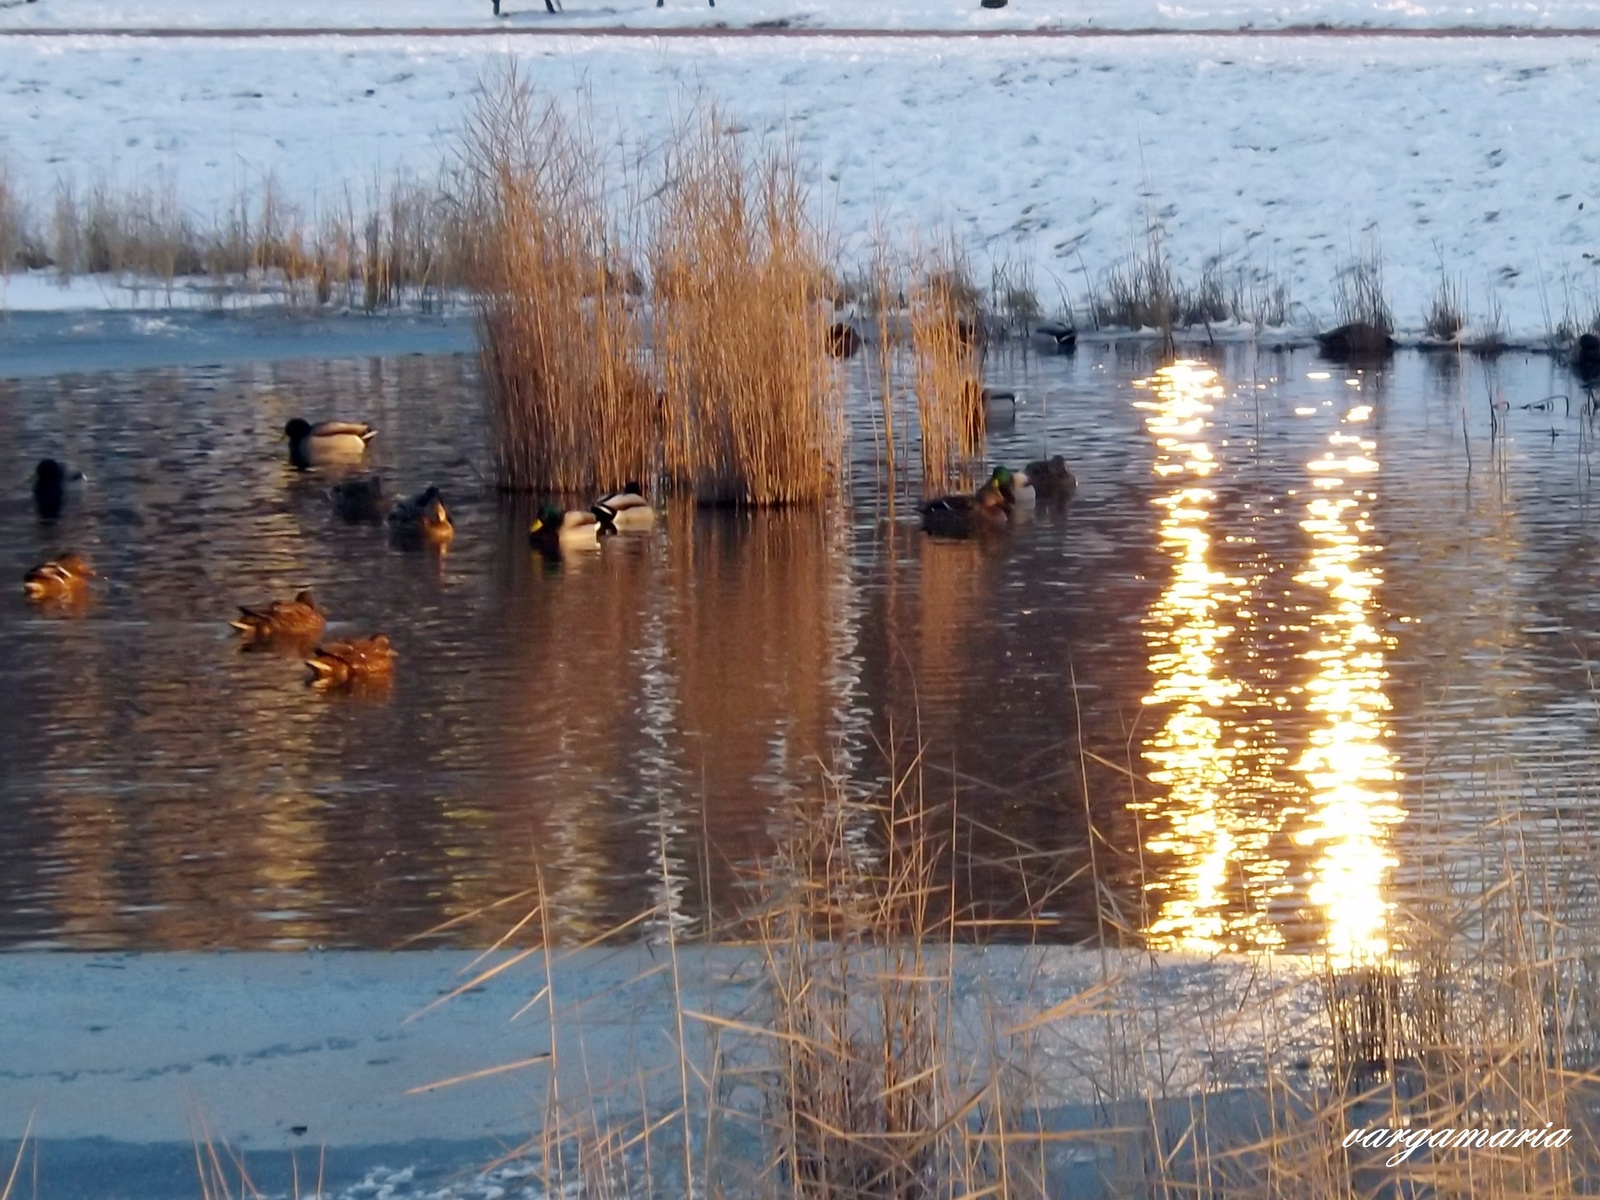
[1352,775]
[1207,844]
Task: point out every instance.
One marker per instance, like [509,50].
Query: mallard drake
[963,516]
[358,500]
[423,517]
[624,510]
[1051,480]
[553,530]
[297,618]
[1014,486]
[330,442]
[335,663]
[59,578]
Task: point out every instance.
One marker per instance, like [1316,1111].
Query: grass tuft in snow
[1446,315]
[1359,297]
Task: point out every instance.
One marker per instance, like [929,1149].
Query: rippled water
[1300,623]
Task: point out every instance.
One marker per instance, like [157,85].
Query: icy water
[1301,626]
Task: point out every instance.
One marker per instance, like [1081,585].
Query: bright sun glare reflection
[1208,835]
[1215,841]
[1350,772]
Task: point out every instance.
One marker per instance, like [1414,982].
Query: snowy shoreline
[1469,159]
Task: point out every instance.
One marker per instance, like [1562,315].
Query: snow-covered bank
[285,1050]
[813,14]
[1471,154]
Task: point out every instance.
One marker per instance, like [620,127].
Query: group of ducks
[423,519]
[298,624]
[993,506]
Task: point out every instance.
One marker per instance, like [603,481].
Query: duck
[624,510]
[1014,486]
[1057,336]
[358,500]
[335,664]
[1051,480]
[60,578]
[423,517]
[842,340]
[553,530]
[50,481]
[297,618]
[329,442]
[963,516]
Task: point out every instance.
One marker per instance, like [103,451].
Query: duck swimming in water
[1051,480]
[962,516]
[330,442]
[335,664]
[61,578]
[423,518]
[358,500]
[554,531]
[49,487]
[297,618]
[625,510]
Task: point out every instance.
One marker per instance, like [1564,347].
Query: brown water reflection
[1285,612]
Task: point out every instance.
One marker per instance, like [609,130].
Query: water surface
[1300,624]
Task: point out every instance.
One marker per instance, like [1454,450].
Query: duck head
[304,597]
[74,564]
[549,518]
[297,430]
[49,474]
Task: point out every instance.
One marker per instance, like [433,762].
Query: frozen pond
[1300,623]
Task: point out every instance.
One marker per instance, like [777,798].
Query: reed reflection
[1351,773]
[1208,847]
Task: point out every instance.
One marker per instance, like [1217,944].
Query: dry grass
[1359,297]
[404,244]
[571,406]
[753,405]
[1446,315]
[946,347]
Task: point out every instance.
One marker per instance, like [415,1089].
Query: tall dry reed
[571,405]
[946,331]
[753,402]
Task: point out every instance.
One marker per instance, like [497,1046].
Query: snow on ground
[1288,157]
[811,14]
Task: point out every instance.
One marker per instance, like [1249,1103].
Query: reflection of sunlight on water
[1215,844]
[1351,773]
[1211,834]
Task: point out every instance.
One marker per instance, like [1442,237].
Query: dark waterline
[1267,677]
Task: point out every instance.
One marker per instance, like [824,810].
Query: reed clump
[571,405]
[946,347]
[1359,297]
[753,407]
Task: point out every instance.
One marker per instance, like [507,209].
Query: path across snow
[806,14]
